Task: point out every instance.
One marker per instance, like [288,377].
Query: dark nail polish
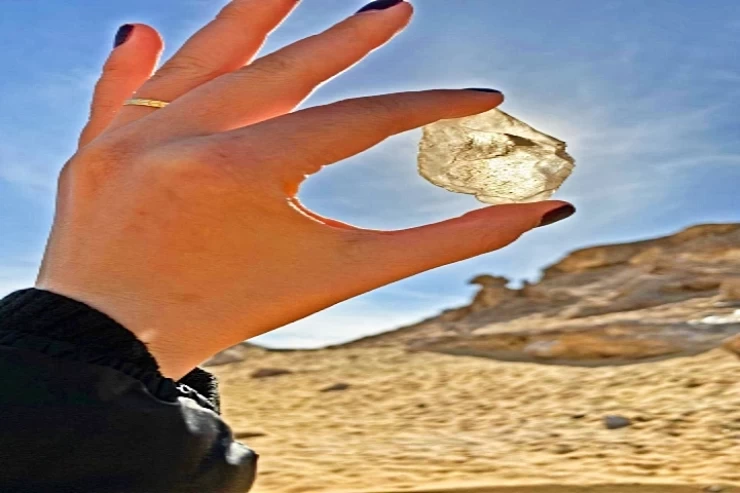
[379,5]
[481,89]
[558,214]
[124,32]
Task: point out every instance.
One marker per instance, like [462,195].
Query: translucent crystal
[495,157]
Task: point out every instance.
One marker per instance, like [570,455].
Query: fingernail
[558,214]
[379,5]
[482,89]
[124,32]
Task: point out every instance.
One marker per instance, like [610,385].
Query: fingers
[408,252]
[222,46]
[277,83]
[300,143]
[129,65]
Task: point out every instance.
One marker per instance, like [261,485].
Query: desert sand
[630,330]
[428,422]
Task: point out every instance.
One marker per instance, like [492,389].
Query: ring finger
[226,44]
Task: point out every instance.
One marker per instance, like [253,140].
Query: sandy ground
[625,488]
[427,422]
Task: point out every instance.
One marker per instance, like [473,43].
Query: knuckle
[190,168]
[393,107]
[66,173]
[103,153]
[104,106]
[353,31]
[179,161]
[189,67]
[286,66]
[125,68]
[276,65]
[98,161]
[236,11]
[176,171]
[382,107]
[116,65]
[199,166]
[113,73]
[494,239]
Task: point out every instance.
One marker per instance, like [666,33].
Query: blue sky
[645,93]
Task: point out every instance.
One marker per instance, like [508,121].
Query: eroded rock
[240,435]
[733,345]
[635,302]
[337,387]
[730,289]
[608,344]
[614,422]
[493,292]
[270,372]
[234,354]
[715,488]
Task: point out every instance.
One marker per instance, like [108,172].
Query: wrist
[150,325]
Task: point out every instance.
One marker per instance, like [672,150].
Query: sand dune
[411,421]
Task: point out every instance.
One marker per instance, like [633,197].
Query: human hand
[182,224]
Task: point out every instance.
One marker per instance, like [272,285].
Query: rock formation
[733,345]
[614,303]
[240,352]
[729,289]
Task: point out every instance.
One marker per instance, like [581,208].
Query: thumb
[408,252]
[136,51]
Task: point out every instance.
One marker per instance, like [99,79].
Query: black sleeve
[84,408]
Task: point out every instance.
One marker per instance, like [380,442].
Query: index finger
[300,143]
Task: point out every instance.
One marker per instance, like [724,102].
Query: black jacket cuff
[61,326]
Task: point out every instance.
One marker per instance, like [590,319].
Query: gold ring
[151,103]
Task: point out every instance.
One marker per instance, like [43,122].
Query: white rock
[733,318]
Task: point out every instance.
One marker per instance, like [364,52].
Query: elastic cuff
[92,336]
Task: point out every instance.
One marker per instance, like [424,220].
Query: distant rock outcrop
[729,289]
[612,304]
[613,422]
[608,344]
[337,387]
[493,292]
[270,372]
[733,345]
[621,303]
[234,354]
